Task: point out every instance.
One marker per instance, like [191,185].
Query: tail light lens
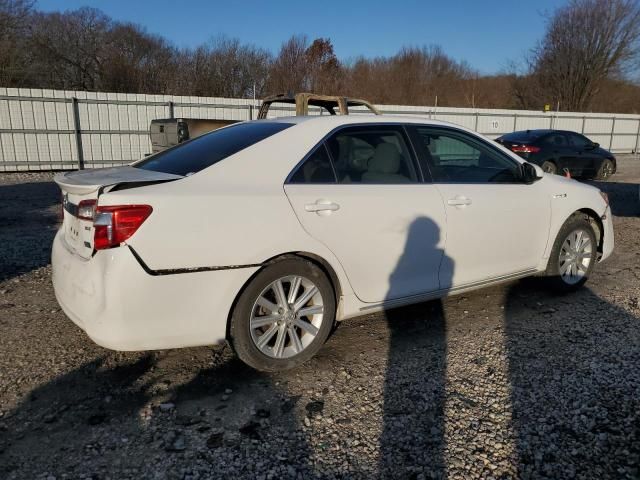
[87,210]
[524,149]
[115,224]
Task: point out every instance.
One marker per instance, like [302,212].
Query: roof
[337,120]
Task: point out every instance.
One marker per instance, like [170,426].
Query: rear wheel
[606,170]
[573,256]
[284,316]
[549,167]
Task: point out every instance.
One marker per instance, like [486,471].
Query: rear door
[557,148]
[497,226]
[362,195]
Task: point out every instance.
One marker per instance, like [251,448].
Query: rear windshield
[202,152]
[523,137]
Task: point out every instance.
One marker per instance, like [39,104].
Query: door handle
[459,201]
[322,206]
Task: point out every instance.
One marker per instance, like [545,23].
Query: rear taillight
[524,149]
[115,224]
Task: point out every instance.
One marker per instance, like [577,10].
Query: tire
[561,276]
[263,328]
[549,167]
[606,170]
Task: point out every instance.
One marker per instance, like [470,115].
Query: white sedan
[266,233]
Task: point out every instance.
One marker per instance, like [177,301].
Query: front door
[496,225]
[361,194]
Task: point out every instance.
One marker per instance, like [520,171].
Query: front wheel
[284,316]
[573,256]
[606,170]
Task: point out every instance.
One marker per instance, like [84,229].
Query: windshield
[202,152]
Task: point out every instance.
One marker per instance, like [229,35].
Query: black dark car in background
[557,150]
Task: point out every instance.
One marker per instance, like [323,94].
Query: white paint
[239,212]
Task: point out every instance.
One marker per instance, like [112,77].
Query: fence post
[637,137]
[476,126]
[613,127]
[171,106]
[584,119]
[551,122]
[250,112]
[515,121]
[77,132]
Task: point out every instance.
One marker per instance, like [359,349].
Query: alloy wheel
[607,169]
[286,316]
[576,255]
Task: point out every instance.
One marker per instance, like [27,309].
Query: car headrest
[386,159]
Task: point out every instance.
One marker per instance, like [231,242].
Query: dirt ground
[507,382]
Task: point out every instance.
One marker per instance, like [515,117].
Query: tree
[586,42]
[289,69]
[67,48]
[14,15]
[323,70]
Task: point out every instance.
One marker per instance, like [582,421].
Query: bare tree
[585,43]
[289,69]
[14,15]
[67,48]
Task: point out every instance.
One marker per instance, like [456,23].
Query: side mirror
[530,173]
[593,146]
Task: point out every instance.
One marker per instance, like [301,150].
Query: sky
[487,34]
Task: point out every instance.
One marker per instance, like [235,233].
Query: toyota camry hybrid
[266,233]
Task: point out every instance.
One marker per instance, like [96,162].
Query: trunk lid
[86,186]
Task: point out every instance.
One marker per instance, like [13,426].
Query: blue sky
[485,33]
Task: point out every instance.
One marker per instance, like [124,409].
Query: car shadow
[100,419]
[29,215]
[624,198]
[572,415]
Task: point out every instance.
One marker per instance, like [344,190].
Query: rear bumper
[122,307]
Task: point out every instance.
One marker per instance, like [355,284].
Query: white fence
[55,130]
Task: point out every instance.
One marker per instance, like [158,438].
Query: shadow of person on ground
[28,223]
[414,385]
[575,384]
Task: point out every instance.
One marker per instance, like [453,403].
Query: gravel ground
[508,382]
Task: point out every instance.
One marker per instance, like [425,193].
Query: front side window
[372,154]
[454,157]
[202,152]
[579,141]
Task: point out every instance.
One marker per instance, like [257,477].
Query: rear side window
[315,169]
[376,154]
[202,152]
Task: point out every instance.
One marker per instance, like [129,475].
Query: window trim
[401,126]
[473,138]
